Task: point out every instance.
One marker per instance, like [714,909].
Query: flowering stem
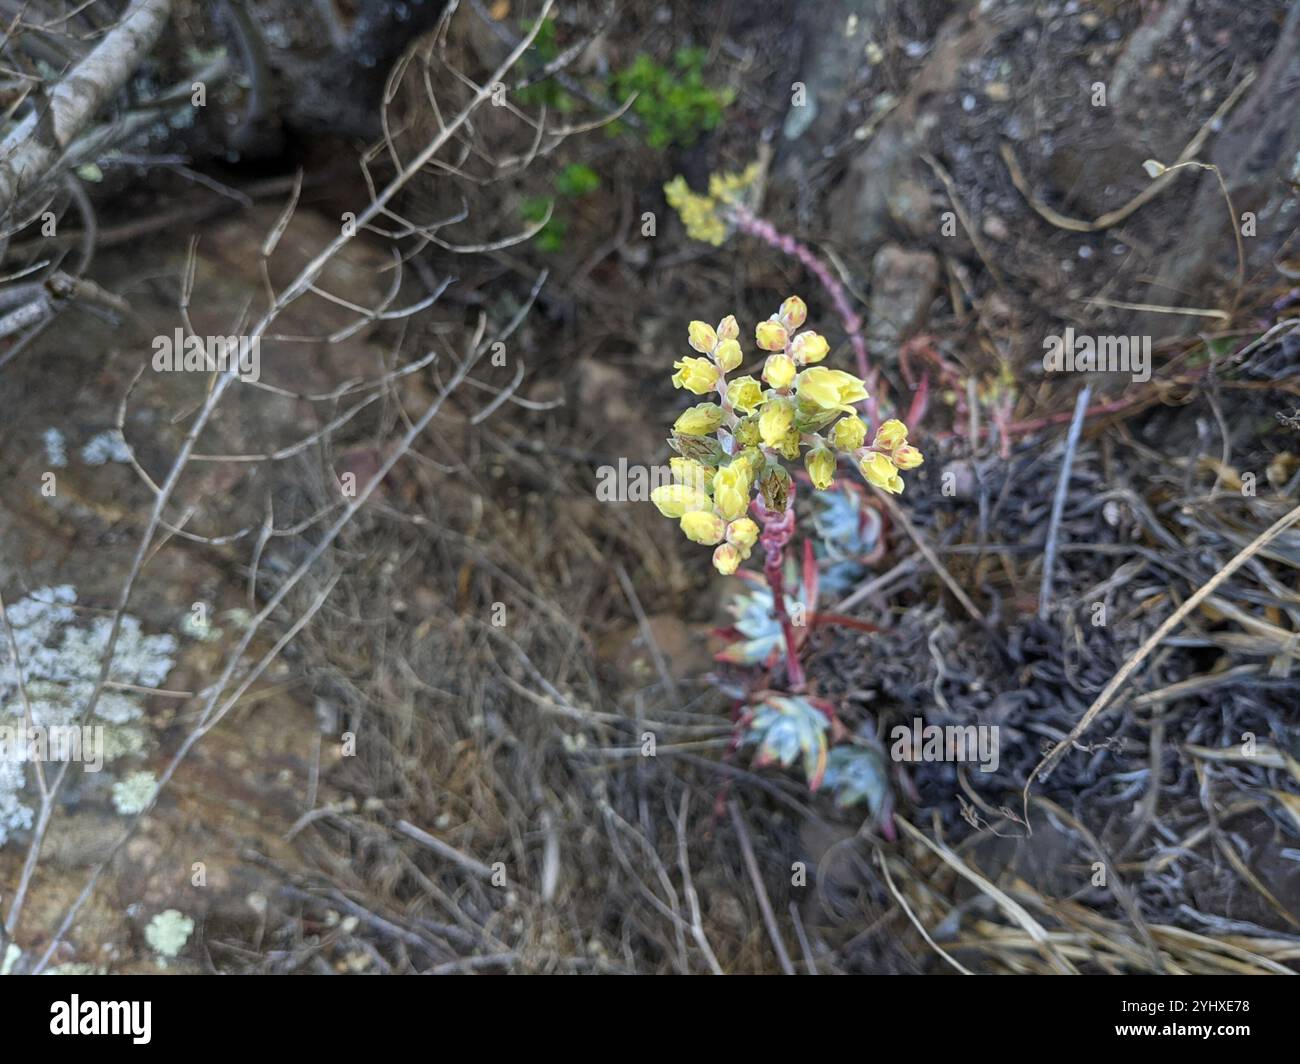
[748,222]
[778,529]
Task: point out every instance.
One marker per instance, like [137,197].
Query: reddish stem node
[778,529]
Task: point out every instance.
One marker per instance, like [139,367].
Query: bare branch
[37,142]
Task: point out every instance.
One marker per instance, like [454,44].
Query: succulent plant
[857,774]
[786,727]
[848,537]
[755,636]
[745,470]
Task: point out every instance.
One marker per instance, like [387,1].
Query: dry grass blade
[1172,622]
[1012,908]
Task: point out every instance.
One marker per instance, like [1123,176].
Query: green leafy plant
[673,102]
[576,180]
[573,182]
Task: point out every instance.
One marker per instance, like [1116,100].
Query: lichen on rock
[59,650]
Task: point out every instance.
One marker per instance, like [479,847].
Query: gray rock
[903,284]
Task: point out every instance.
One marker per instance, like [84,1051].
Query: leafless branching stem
[37,143]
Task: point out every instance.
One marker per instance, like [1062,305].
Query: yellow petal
[699,420]
[743,533]
[744,394]
[879,470]
[809,347]
[726,559]
[701,526]
[820,464]
[779,371]
[728,355]
[675,500]
[794,312]
[775,421]
[830,389]
[697,375]
[849,433]
[908,457]
[892,433]
[702,337]
[770,335]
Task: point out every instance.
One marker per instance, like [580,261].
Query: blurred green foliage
[573,182]
[674,104]
[576,180]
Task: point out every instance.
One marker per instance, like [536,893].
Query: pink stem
[778,529]
[761,228]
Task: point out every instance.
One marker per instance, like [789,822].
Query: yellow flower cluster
[888,454]
[705,216]
[732,447]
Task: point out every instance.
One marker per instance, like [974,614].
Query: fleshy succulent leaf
[857,774]
[786,727]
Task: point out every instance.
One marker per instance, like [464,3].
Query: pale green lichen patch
[59,648]
[134,793]
[167,934]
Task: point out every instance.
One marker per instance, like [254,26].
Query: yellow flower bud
[697,375]
[676,192]
[729,328]
[731,490]
[881,472]
[747,431]
[727,355]
[770,335]
[702,337]
[743,533]
[701,526]
[726,559]
[849,433]
[830,389]
[728,187]
[809,347]
[775,421]
[790,444]
[908,457]
[699,420]
[689,472]
[744,394]
[794,312]
[891,434]
[820,463]
[751,460]
[779,371]
[674,500]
